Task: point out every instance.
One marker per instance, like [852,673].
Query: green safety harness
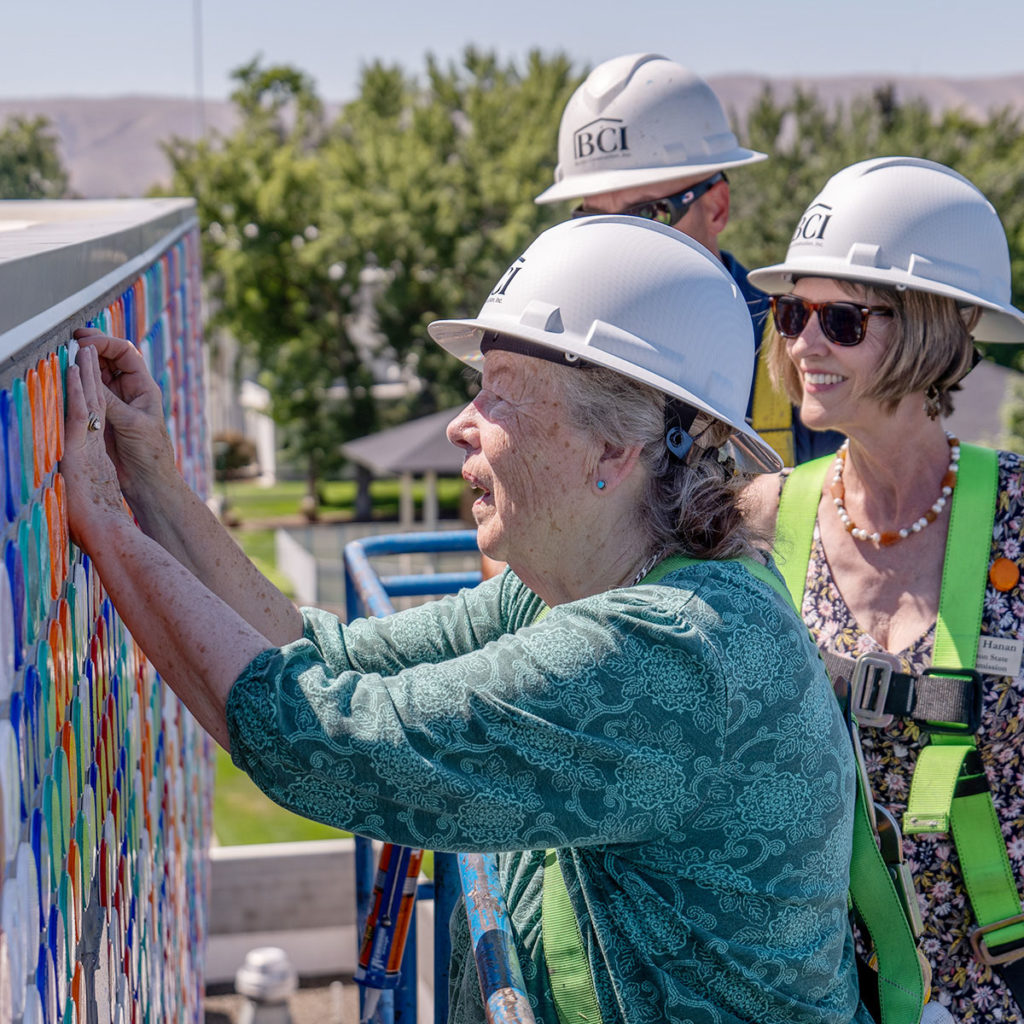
[878,894]
[949,791]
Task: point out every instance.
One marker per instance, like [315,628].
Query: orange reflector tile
[48,387]
[58,401]
[37,414]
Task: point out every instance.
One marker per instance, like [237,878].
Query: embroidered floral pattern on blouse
[677,743]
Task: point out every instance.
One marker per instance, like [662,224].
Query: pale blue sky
[115,47]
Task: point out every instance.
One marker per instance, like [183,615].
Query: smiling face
[833,378]
[532,467]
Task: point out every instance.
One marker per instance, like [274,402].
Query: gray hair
[688,506]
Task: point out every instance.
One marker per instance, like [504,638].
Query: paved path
[318,1001]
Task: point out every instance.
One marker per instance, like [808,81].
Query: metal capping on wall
[63,261]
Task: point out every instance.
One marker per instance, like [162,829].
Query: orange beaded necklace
[887,537]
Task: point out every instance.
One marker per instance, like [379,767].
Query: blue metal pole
[366,871]
[429,584]
[490,930]
[373,593]
[406,995]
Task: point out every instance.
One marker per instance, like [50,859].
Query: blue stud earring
[600,485]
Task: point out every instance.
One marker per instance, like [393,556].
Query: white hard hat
[640,120]
[906,223]
[639,298]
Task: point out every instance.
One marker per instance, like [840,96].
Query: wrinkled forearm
[197,642]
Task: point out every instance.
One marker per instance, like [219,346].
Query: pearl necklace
[888,537]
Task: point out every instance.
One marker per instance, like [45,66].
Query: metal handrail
[498,966]
[365,589]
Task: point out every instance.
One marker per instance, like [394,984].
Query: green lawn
[251,502]
[241,813]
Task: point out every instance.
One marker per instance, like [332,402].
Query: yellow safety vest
[771,413]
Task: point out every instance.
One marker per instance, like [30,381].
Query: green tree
[437,180]
[429,186]
[260,192]
[30,163]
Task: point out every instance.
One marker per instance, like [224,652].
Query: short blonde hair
[931,351]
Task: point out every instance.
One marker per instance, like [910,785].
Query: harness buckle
[980,945]
[890,844]
[872,674]
[970,727]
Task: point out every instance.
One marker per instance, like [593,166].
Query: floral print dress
[970,989]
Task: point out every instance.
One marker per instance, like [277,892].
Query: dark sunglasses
[667,210]
[843,323]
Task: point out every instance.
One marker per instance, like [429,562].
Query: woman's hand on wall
[136,435]
[165,507]
[93,492]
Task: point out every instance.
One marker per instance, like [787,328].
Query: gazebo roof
[419,446]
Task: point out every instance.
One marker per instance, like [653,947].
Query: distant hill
[111,147]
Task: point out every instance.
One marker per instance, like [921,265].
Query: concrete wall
[299,896]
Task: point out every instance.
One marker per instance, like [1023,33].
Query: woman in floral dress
[894,271]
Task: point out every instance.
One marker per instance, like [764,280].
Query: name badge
[999,655]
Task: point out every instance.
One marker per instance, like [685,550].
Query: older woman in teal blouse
[631,692]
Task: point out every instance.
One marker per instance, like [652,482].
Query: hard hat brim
[579,186]
[461,338]
[999,324]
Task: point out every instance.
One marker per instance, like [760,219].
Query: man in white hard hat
[644,136]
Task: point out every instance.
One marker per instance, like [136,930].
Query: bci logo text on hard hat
[813,223]
[505,280]
[603,137]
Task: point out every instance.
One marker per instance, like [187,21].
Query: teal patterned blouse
[677,742]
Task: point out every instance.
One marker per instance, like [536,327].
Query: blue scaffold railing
[474,876]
